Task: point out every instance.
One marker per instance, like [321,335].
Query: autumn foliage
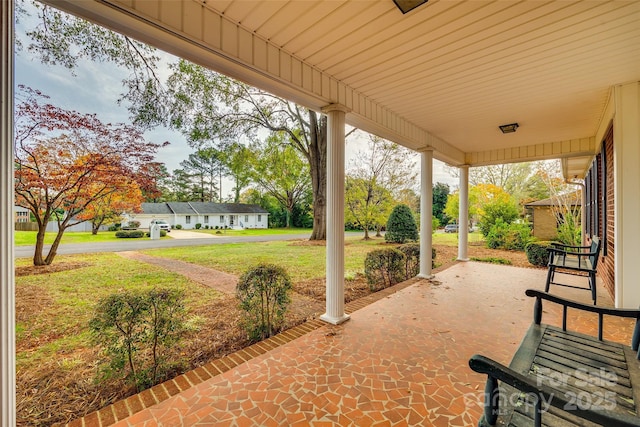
[72,167]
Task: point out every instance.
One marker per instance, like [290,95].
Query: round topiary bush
[401,225]
[538,252]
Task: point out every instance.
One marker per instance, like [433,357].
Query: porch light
[510,128]
[408,5]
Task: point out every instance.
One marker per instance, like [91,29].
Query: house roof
[554,201]
[443,76]
[200,208]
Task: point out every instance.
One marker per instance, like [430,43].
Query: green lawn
[27,238]
[301,259]
[257,231]
[66,299]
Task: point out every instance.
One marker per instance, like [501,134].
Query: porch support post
[7,279]
[626,155]
[335,214]
[463,214]
[426,212]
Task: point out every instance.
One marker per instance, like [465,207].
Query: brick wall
[545,226]
[606,269]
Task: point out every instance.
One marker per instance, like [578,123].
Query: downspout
[583,214]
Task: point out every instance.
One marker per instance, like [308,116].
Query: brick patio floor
[399,361]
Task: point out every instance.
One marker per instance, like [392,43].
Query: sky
[95,88]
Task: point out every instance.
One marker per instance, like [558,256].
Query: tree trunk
[378,231]
[318,169]
[366,233]
[37,255]
[54,246]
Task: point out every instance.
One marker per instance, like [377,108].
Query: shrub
[517,237]
[113,228]
[497,235]
[178,226]
[538,252]
[218,232]
[384,267]
[401,225]
[217,227]
[263,292]
[136,330]
[130,234]
[198,226]
[411,253]
[508,236]
[206,227]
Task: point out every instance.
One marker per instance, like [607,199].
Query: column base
[335,320]
[462,259]
[425,276]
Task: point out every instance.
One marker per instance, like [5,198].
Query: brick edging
[127,407]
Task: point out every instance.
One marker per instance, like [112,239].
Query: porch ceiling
[444,75]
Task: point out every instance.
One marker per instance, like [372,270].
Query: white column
[626,158]
[335,214]
[426,212]
[463,214]
[7,279]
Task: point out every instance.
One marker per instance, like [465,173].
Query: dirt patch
[316,288]
[29,270]
[445,255]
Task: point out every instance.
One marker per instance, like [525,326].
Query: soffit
[456,70]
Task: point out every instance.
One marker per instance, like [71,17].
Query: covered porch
[401,360]
[439,79]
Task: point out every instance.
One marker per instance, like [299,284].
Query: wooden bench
[563,378]
[574,260]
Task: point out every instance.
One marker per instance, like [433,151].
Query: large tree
[211,109]
[281,172]
[66,161]
[205,166]
[375,176]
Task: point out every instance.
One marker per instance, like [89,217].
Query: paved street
[140,244]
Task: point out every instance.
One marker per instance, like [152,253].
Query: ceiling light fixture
[408,5]
[510,128]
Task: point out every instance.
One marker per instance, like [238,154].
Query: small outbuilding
[546,217]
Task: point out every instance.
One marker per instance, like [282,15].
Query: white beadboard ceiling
[450,70]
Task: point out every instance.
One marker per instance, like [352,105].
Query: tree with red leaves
[67,163]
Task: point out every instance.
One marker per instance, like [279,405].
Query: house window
[188,219]
[246,218]
[206,219]
[259,218]
[221,219]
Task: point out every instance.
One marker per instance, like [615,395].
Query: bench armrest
[543,396]
[578,254]
[600,311]
[563,246]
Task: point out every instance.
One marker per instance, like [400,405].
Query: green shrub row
[130,234]
[386,267]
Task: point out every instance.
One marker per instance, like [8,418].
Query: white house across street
[207,214]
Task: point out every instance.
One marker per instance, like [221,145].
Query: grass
[492,260]
[257,231]
[28,238]
[303,260]
[66,299]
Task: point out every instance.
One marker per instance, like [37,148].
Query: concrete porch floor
[400,361]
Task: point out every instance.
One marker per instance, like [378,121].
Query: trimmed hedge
[411,253]
[384,267]
[130,234]
[538,252]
